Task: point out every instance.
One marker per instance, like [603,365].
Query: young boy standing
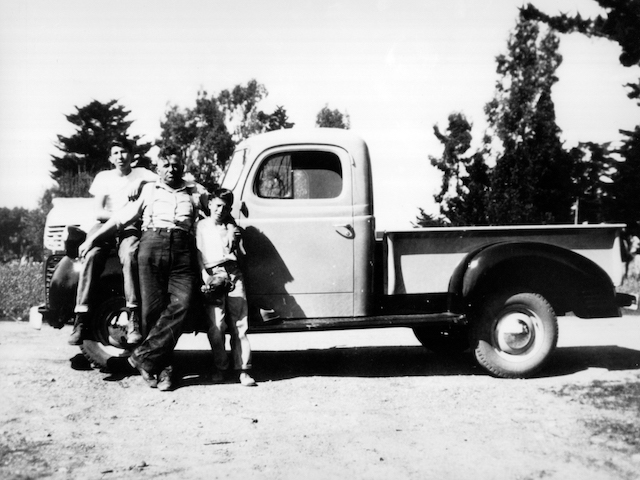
[219,244]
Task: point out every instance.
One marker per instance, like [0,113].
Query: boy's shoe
[78,333]
[165,382]
[246,380]
[148,377]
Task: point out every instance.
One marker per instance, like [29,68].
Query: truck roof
[297,136]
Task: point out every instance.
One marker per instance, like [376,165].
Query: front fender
[64,286]
[568,280]
[62,290]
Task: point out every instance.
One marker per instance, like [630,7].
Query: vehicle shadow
[334,362]
[194,366]
[401,362]
[568,360]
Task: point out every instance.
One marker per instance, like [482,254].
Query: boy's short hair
[223,194]
[128,144]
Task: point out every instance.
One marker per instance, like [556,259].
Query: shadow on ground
[195,365]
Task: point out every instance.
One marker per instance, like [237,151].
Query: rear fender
[569,281]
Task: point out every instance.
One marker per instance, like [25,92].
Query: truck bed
[421,260]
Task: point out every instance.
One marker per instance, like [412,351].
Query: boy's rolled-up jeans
[94,264]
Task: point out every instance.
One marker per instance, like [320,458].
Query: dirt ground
[366,404]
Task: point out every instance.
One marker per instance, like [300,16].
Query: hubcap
[515,332]
[117,329]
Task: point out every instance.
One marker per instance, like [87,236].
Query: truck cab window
[300,175]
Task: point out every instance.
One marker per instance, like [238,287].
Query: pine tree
[86,152]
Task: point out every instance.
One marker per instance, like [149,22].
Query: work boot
[79,326]
[165,380]
[133,329]
[148,377]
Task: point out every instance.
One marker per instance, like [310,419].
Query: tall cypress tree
[532,178]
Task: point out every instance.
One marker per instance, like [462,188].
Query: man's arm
[106,228]
[130,213]
[147,176]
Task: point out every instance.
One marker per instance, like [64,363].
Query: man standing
[167,262]
[112,189]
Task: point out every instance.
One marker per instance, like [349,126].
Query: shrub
[21,287]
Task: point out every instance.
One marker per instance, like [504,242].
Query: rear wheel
[107,333]
[514,334]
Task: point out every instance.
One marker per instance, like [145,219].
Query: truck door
[297,216]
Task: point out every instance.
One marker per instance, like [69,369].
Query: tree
[621,24]
[425,219]
[328,118]
[465,179]
[206,135]
[200,136]
[86,152]
[276,120]
[21,233]
[594,166]
[240,109]
[532,179]
[456,142]
[624,202]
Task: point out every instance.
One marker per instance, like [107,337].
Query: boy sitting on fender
[219,244]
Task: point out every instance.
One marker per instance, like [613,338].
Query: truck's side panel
[422,260]
[297,215]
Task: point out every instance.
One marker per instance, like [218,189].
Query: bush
[21,287]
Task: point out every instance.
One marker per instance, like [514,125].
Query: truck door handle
[345,230]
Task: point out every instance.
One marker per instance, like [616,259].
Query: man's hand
[135,189]
[84,248]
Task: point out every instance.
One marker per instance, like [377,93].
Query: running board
[344,323]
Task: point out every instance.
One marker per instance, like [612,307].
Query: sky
[397,68]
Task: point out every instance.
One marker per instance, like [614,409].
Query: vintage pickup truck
[304,199]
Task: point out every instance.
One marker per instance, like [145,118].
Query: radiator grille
[49,266]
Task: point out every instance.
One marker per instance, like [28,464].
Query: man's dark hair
[171,151]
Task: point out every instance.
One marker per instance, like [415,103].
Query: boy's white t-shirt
[116,187]
[215,242]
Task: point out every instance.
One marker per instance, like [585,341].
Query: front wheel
[107,335]
[514,334]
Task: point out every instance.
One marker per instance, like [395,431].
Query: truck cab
[306,209]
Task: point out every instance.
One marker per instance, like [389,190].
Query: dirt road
[360,405]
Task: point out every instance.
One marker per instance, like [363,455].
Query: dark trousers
[94,264]
[166,261]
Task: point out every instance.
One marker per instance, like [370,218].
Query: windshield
[234,169]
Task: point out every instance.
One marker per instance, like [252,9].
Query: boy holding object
[219,243]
